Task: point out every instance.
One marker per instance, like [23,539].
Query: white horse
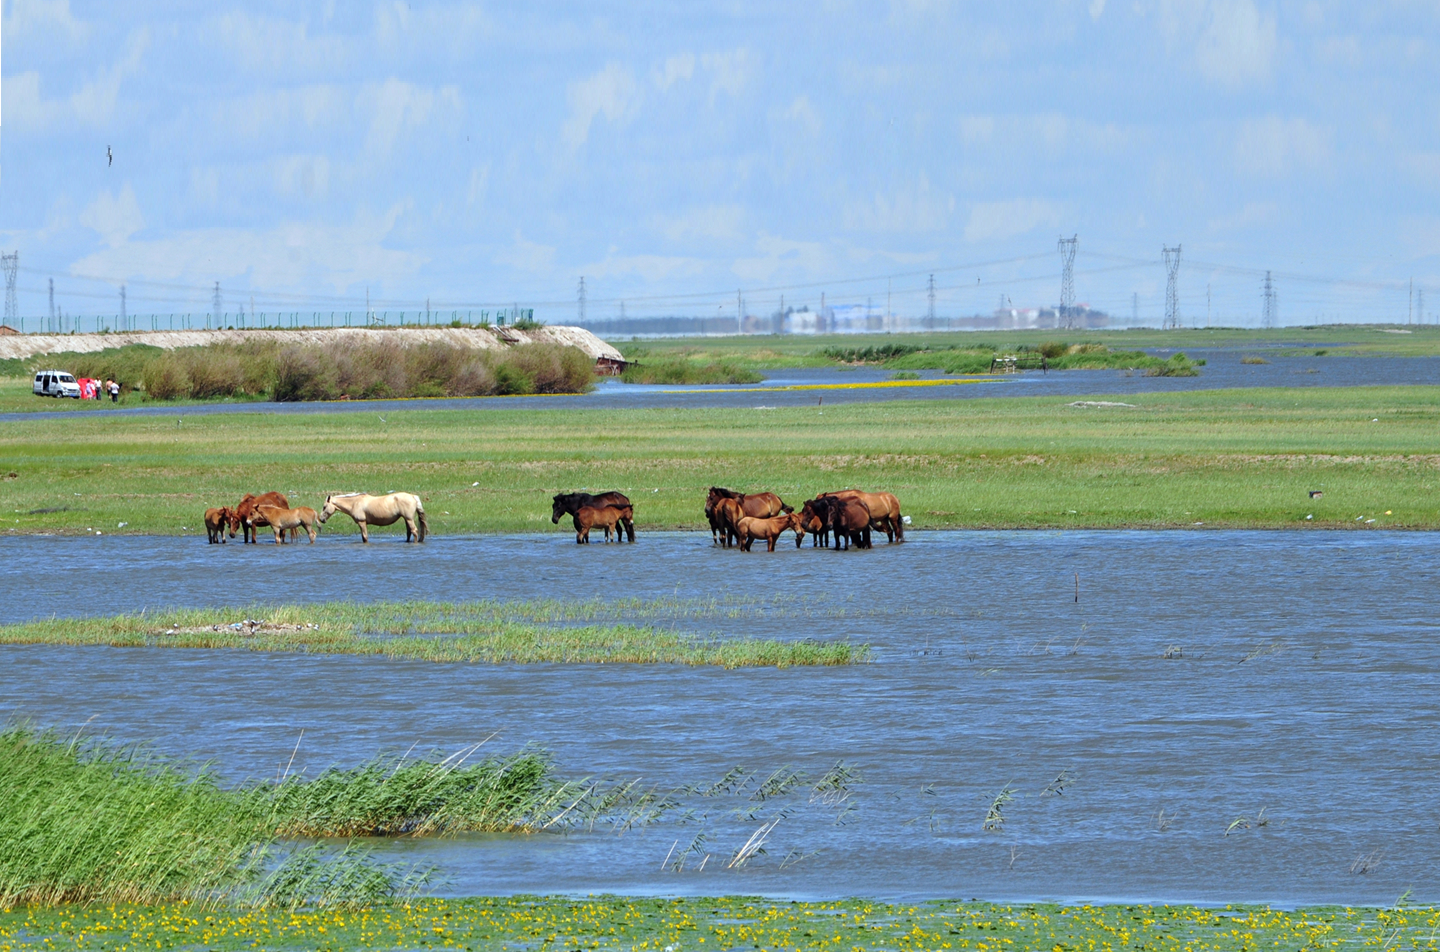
[369,510]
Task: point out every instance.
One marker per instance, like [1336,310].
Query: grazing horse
[849,519]
[606,517]
[247,517]
[884,511]
[758,505]
[571,503]
[302,517]
[217,521]
[751,528]
[811,522]
[369,510]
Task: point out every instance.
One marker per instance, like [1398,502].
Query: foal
[606,517]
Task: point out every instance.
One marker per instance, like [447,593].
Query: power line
[1067,281]
[1172,280]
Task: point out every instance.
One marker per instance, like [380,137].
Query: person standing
[114,389]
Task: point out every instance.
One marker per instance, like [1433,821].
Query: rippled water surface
[1301,680]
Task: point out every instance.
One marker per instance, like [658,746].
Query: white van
[56,383]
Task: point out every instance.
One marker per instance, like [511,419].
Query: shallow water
[1305,685]
[1223,370]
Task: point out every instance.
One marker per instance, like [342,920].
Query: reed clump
[486,633]
[681,370]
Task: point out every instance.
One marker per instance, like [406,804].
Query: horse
[245,515]
[369,510]
[849,519]
[751,528]
[279,520]
[728,514]
[884,510]
[606,517]
[570,503]
[812,523]
[217,521]
[759,505]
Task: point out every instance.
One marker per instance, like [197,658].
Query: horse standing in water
[572,503]
[884,511]
[606,517]
[293,519]
[246,516]
[756,505]
[369,510]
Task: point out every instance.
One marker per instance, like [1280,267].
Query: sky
[478,155]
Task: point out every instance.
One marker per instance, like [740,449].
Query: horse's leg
[770,542]
[410,529]
[310,531]
[364,532]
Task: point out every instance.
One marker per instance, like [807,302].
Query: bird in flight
[109,157]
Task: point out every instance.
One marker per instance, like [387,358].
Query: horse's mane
[725,493]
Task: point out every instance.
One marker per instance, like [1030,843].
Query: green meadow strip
[478,632]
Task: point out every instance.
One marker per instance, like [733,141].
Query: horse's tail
[899,520]
[424,526]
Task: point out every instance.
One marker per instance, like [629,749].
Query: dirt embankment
[21,346]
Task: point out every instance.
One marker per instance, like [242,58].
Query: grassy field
[474,632]
[614,922]
[1242,458]
[768,351]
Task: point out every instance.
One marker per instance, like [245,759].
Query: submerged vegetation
[627,922]
[475,632]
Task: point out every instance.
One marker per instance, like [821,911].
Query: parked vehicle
[56,383]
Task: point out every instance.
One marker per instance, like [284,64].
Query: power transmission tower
[52,304]
[1410,314]
[1172,286]
[1420,306]
[930,315]
[218,310]
[1270,303]
[124,321]
[12,308]
[1067,281]
[581,296]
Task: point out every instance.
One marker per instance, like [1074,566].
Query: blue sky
[672,153]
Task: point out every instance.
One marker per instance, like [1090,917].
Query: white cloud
[975,129]
[1271,146]
[479,185]
[647,267]
[528,256]
[911,208]
[290,255]
[675,69]
[612,91]
[92,104]
[713,222]
[1253,214]
[396,106]
[729,72]
[303,176]
[1097,7]
[42,20]
[114,217]
[997,221]
[781,256]
[1234,43]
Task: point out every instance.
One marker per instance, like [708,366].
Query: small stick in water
[1077,588]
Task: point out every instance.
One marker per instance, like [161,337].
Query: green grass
[90,822]
[467,632]
[628,923]
[679,369]
[1241,458]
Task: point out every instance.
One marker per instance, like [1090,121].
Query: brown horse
[812,523]
[849,519]
[751,528]
[293,519]
[606,517]
[217,521]
[728,514]
[758,505]
[570,503]
[884,511]
[247,516]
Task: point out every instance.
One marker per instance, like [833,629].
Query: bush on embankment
[358,370]
[681,369]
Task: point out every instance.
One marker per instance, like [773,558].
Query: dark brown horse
[727,516]
[571,503]
[248,516]
[884,511]
[812,523]
[606,517]
[849,519]
[756,505]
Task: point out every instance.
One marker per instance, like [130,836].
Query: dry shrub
[220,374]
[166,377]
[551,368]
[305,373]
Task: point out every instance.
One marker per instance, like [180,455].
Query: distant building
[6,329]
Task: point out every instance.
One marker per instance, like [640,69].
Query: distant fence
[263,320]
